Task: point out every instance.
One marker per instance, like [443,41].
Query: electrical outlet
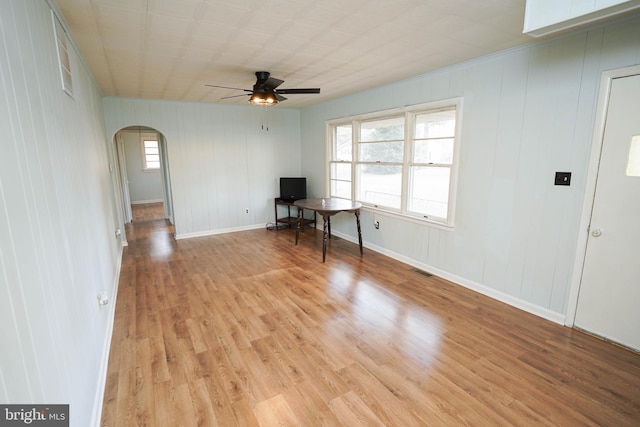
[376,224]
[103,299]
[246,211]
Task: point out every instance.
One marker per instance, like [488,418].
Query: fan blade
[226,87]
[270,84]
[294,91]
[236,96]
[279,97]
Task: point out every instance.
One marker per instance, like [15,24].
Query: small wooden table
[327,208]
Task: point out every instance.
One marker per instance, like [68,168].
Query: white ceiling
[169,49]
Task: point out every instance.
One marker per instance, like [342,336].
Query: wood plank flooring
[143,212]
[246,329]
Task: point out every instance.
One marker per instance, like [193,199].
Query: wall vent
[63,45]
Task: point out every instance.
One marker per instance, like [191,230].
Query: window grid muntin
[150,160]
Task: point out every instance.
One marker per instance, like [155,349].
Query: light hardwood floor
[246,329]
[147,211]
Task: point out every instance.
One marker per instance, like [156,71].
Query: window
[150,154]
[401,161]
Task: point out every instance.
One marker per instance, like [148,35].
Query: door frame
[590,187]
[122,181]
[167,195]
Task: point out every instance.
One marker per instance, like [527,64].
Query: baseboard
[469,284]
[219,231]
[106,348]
[144,202]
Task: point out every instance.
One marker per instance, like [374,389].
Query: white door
[609,298]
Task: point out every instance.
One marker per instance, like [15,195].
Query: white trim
[328,155]
[590,186]
[569,22]
[219,231]
[407,217]
[98,401]
[122,178]
[142,202]
[469,284]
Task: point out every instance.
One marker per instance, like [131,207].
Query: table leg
[359,232]
[298,225]
[325,235]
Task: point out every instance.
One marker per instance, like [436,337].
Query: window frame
[409,114]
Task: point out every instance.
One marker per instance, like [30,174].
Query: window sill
[410,218]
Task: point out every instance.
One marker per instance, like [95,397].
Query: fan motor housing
[262,76]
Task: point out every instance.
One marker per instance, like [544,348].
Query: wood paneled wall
[528,112]
[57,221]
[222,158]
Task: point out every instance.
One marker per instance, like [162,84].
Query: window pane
[343,147]
[148,150]
[341,180]
[436,125]
[341,171]
[153,165]
[382,130]
[152,158]
[150,144]
[429,190]
[633,163]
[389,152]
[433,151]
[380,185]
[341,189]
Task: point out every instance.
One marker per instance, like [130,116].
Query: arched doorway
[142,176]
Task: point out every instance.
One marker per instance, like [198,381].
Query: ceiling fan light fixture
[264,91]
[263,98]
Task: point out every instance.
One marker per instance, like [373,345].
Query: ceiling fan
[265,90]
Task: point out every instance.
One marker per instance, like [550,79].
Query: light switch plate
[563,178]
